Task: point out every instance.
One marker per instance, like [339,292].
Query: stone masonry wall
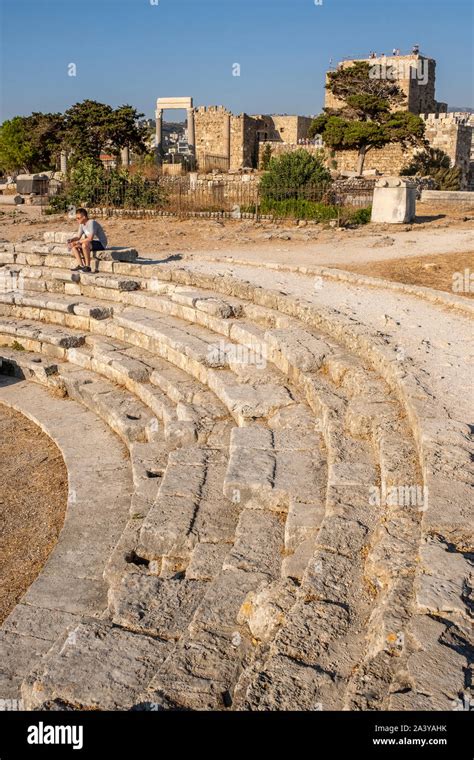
[210,129]
[283,128]
[453,134]
[448,132]
[246,132]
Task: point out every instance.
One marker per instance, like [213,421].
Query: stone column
[125,156]
[191,131]
[63,160]
[159,131]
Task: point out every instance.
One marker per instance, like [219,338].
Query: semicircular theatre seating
[262,565]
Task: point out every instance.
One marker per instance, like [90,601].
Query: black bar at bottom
[111,735]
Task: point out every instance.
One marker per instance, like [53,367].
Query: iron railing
[188,196]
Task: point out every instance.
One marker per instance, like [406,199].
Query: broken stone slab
[34,366]
[245,401]
[285,684]
[149,462]
[303,521]
[250,474]
[200,673]
[167,528]
[296,563]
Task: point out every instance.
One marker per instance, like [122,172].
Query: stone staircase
[270,559]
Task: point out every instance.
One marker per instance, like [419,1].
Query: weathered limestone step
[114,253]
[155,606]
[31,335]
[149,462]
[51,276]
[189,507]
[27,365]
[271,467]
[38,303]
[94,666]
[247,402]
[70,585]
[127,416]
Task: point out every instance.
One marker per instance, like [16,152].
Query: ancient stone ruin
[271,509]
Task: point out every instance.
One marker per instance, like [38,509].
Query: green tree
[91,127]
[16,152]
[266,157]
[435,163]
[367,117]
[46,134]
[87,127]
[126,131]
[289,174]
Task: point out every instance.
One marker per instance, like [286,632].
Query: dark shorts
[97,246]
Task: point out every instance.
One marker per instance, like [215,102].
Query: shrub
[361,216]
[291,174]
[92,185]
[58,204]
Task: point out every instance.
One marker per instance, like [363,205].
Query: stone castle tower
[416,77]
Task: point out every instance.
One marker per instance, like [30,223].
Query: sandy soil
[33,497]
[449,272]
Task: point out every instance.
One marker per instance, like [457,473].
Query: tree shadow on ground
[173,257]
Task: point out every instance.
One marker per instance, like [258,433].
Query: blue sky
[133,51]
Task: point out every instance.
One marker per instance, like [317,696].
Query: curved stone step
[70,585]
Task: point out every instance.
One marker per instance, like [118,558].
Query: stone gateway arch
[163,104]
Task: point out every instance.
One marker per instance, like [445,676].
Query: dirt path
[437,341]
[289,242]
[33,495]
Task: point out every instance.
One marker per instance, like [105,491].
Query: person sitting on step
[91,237]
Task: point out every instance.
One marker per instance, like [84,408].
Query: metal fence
[188,196]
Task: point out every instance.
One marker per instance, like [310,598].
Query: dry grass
[436,272]
[33,496]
